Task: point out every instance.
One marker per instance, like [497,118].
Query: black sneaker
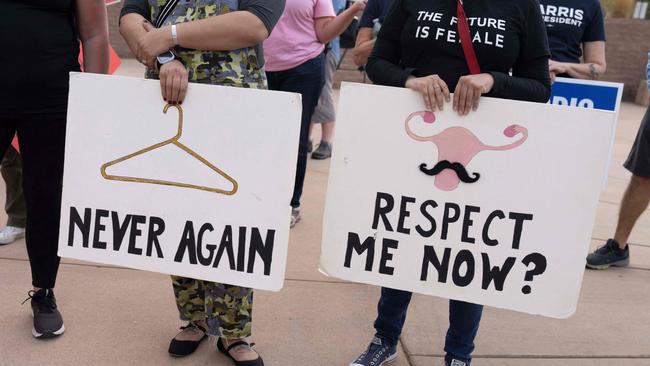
[47,318]
[323,151]
[310,146]
[609,255]
[378,353]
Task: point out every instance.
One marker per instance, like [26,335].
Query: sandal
[183,348]
[226,351]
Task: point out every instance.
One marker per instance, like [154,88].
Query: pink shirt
[293,40]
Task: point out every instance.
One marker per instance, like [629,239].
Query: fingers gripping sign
[434,90]
[469,90]
[466,96]
[173,82]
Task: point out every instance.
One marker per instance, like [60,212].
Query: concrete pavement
[118,316]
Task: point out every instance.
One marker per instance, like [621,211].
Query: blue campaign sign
[587,94]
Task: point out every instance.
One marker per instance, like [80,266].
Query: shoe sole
[177,355]
[48,334]
[623,263]
[386,361]
[295,222]
[174,355]
[318,157]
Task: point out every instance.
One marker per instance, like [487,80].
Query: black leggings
[306,79]
[42,145]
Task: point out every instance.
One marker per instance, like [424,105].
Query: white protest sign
[590,94]
[513,234]
[201,191]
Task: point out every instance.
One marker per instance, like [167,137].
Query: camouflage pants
[226,309]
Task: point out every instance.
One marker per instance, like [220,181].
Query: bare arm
[93,33]
[229,31]
[329,28]
[363,46]
[132,30]
[593,67]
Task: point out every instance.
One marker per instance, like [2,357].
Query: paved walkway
[124,317]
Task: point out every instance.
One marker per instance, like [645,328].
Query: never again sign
[494,208]
[200,191]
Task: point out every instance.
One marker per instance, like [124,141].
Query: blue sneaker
[378,353]
[609,255]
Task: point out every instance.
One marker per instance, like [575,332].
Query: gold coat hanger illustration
[173,141]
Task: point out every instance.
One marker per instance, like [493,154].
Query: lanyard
[466,40]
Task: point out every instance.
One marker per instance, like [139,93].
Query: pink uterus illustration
[457,146]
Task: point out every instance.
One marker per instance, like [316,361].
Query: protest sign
[590,94]
[495,208]
[200,191]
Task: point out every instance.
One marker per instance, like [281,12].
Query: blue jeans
[464,319]
[308,80]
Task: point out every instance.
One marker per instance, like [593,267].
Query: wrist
[174,32]
[167,32]
[496,77]
[490,83]
[408,80]
[172,63]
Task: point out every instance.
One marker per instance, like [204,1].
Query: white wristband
[174,35]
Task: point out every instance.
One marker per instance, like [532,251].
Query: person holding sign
[436,48]
[295,63]
[616,251]
[220,45]
[40,40]
[576,37]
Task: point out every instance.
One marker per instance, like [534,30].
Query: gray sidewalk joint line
[618,204]
[409,358]
[548,357]
[336,282]
[339,282]
[632,244]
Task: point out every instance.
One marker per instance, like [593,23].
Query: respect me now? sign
[473,208]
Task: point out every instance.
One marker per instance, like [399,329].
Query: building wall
[114,33]
[628,43]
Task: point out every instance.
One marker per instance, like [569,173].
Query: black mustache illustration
[460,170]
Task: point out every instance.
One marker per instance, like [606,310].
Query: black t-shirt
[39,48]
[569,23]
[375,9]
[420,38]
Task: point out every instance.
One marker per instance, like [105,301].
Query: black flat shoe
[226,351]
[183,348]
